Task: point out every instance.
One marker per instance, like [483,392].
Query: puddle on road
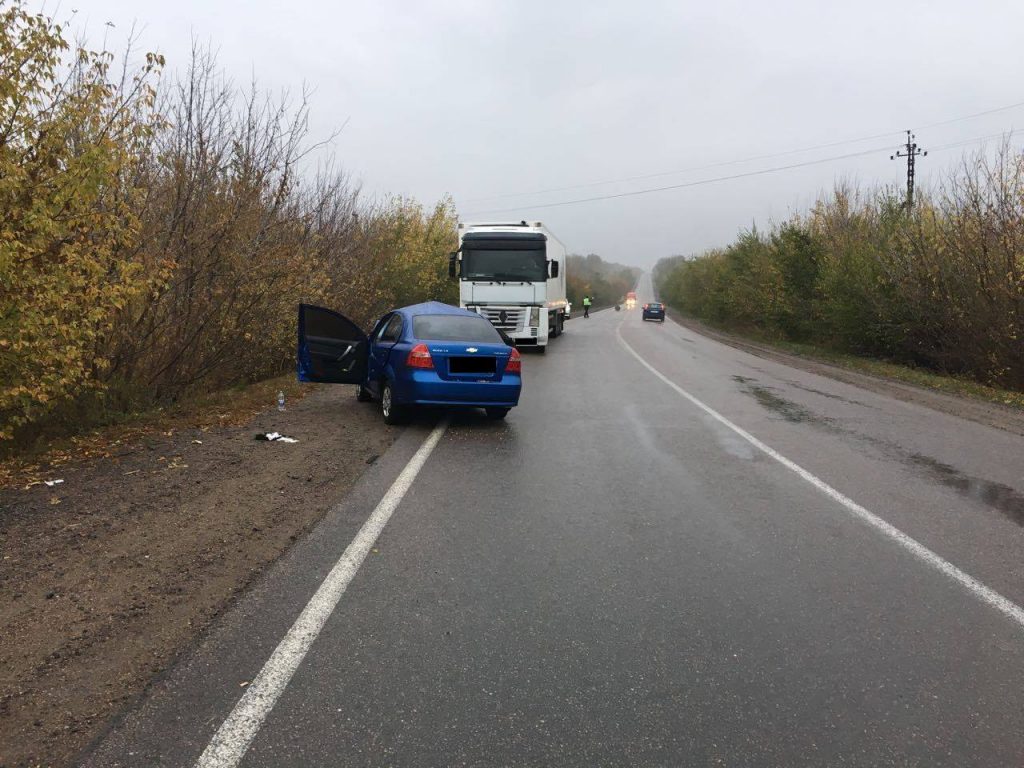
[996,495]
[679,341]
[829,395]
[787,409]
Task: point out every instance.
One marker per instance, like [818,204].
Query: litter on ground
[275,437]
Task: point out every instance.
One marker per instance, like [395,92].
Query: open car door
[332,349]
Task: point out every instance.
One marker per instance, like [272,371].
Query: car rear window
[654,305]
[454,328]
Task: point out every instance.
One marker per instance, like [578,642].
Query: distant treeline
[157,234]
[939,286]
[604,281]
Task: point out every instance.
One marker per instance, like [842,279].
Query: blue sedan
[654,311]
[426,354]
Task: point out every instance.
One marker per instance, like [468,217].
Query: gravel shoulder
[110,576]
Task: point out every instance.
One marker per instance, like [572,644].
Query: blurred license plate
[472,365]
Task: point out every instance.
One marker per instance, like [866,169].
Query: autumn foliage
[939,286]
[157,233]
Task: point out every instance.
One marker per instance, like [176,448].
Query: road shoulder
[116,571]
[989,414]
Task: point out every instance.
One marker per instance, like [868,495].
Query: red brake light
[646,306]
[515,362]
[419,357]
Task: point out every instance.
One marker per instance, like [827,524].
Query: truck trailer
[514,275]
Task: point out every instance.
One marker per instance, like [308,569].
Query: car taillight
[419,357]
[515,362]
[646,306]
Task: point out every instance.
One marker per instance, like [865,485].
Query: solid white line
[229,744]
[975,587]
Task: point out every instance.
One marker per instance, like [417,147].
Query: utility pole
[911,152]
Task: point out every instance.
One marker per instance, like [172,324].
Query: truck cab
[514,275]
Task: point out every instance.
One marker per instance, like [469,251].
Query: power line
[971,117]
[965,142]
[701,182]
[726,163]
[680,186]
[685,170]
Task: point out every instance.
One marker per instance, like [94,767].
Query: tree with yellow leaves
[71,139]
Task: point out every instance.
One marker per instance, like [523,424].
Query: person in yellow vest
[586,306]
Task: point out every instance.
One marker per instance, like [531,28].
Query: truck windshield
[504,264]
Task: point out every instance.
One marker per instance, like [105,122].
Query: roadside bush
[939,286]
[156,237]
[71,139]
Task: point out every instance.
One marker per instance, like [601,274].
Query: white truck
[514,275]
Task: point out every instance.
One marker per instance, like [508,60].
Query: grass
[954,385]
[235,406]
[920,377]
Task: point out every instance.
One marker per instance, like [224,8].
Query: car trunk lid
[464,361]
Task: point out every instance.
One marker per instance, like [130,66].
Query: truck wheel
[393,414]
[543,349]
[496,413]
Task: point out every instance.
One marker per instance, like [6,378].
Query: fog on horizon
[486,101]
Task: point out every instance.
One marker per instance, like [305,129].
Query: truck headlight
[535,317]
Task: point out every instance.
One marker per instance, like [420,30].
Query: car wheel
[544,349]
[496,413]
[393,414]
[363,395]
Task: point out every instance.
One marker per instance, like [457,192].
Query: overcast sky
[486,99]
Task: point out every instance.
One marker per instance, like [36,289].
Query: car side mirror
[554,268]
[453,265]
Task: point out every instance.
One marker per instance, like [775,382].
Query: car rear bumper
[437,391]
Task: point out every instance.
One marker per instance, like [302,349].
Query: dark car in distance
[654,311]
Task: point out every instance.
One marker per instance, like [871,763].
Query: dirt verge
[112,574]
[989,414]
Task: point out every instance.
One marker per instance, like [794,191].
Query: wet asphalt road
[613,577]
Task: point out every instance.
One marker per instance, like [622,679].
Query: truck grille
[506,319]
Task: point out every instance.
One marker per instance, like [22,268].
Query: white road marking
[975,587]
[229,744]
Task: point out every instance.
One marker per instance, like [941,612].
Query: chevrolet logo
[471,349]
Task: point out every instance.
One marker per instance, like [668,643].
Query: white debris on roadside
[52,483]
[275,437]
